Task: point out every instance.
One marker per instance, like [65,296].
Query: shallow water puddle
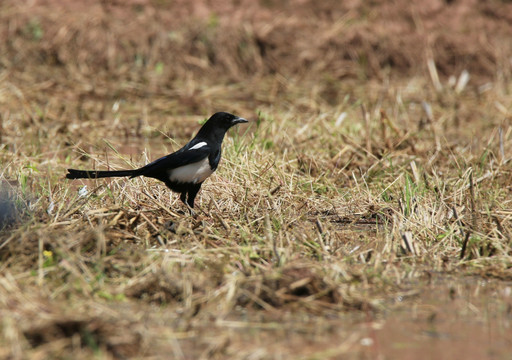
[450,319]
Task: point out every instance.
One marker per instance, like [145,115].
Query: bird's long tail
[93,174]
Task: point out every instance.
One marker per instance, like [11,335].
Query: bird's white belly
[192,173]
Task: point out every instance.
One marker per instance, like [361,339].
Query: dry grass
[337,199]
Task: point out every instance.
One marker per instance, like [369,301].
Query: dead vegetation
[377,161]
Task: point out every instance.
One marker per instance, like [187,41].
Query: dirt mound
[238,39]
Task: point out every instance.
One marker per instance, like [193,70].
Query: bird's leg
[192,193]
[183,198]
[192,212]
[190,208]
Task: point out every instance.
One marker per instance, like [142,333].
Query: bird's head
[218,124]
[226,120]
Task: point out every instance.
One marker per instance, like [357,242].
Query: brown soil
[237,39]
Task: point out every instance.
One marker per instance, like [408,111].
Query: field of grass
[370,190]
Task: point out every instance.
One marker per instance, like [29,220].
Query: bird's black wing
[185,156]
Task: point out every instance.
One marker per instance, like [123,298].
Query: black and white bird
[185,170]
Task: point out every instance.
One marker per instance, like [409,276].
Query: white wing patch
[198,145]
[192,173]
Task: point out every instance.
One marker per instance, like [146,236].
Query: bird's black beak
[238,120]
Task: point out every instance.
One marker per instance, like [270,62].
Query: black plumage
[185,170]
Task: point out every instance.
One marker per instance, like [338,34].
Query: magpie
[185,170]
